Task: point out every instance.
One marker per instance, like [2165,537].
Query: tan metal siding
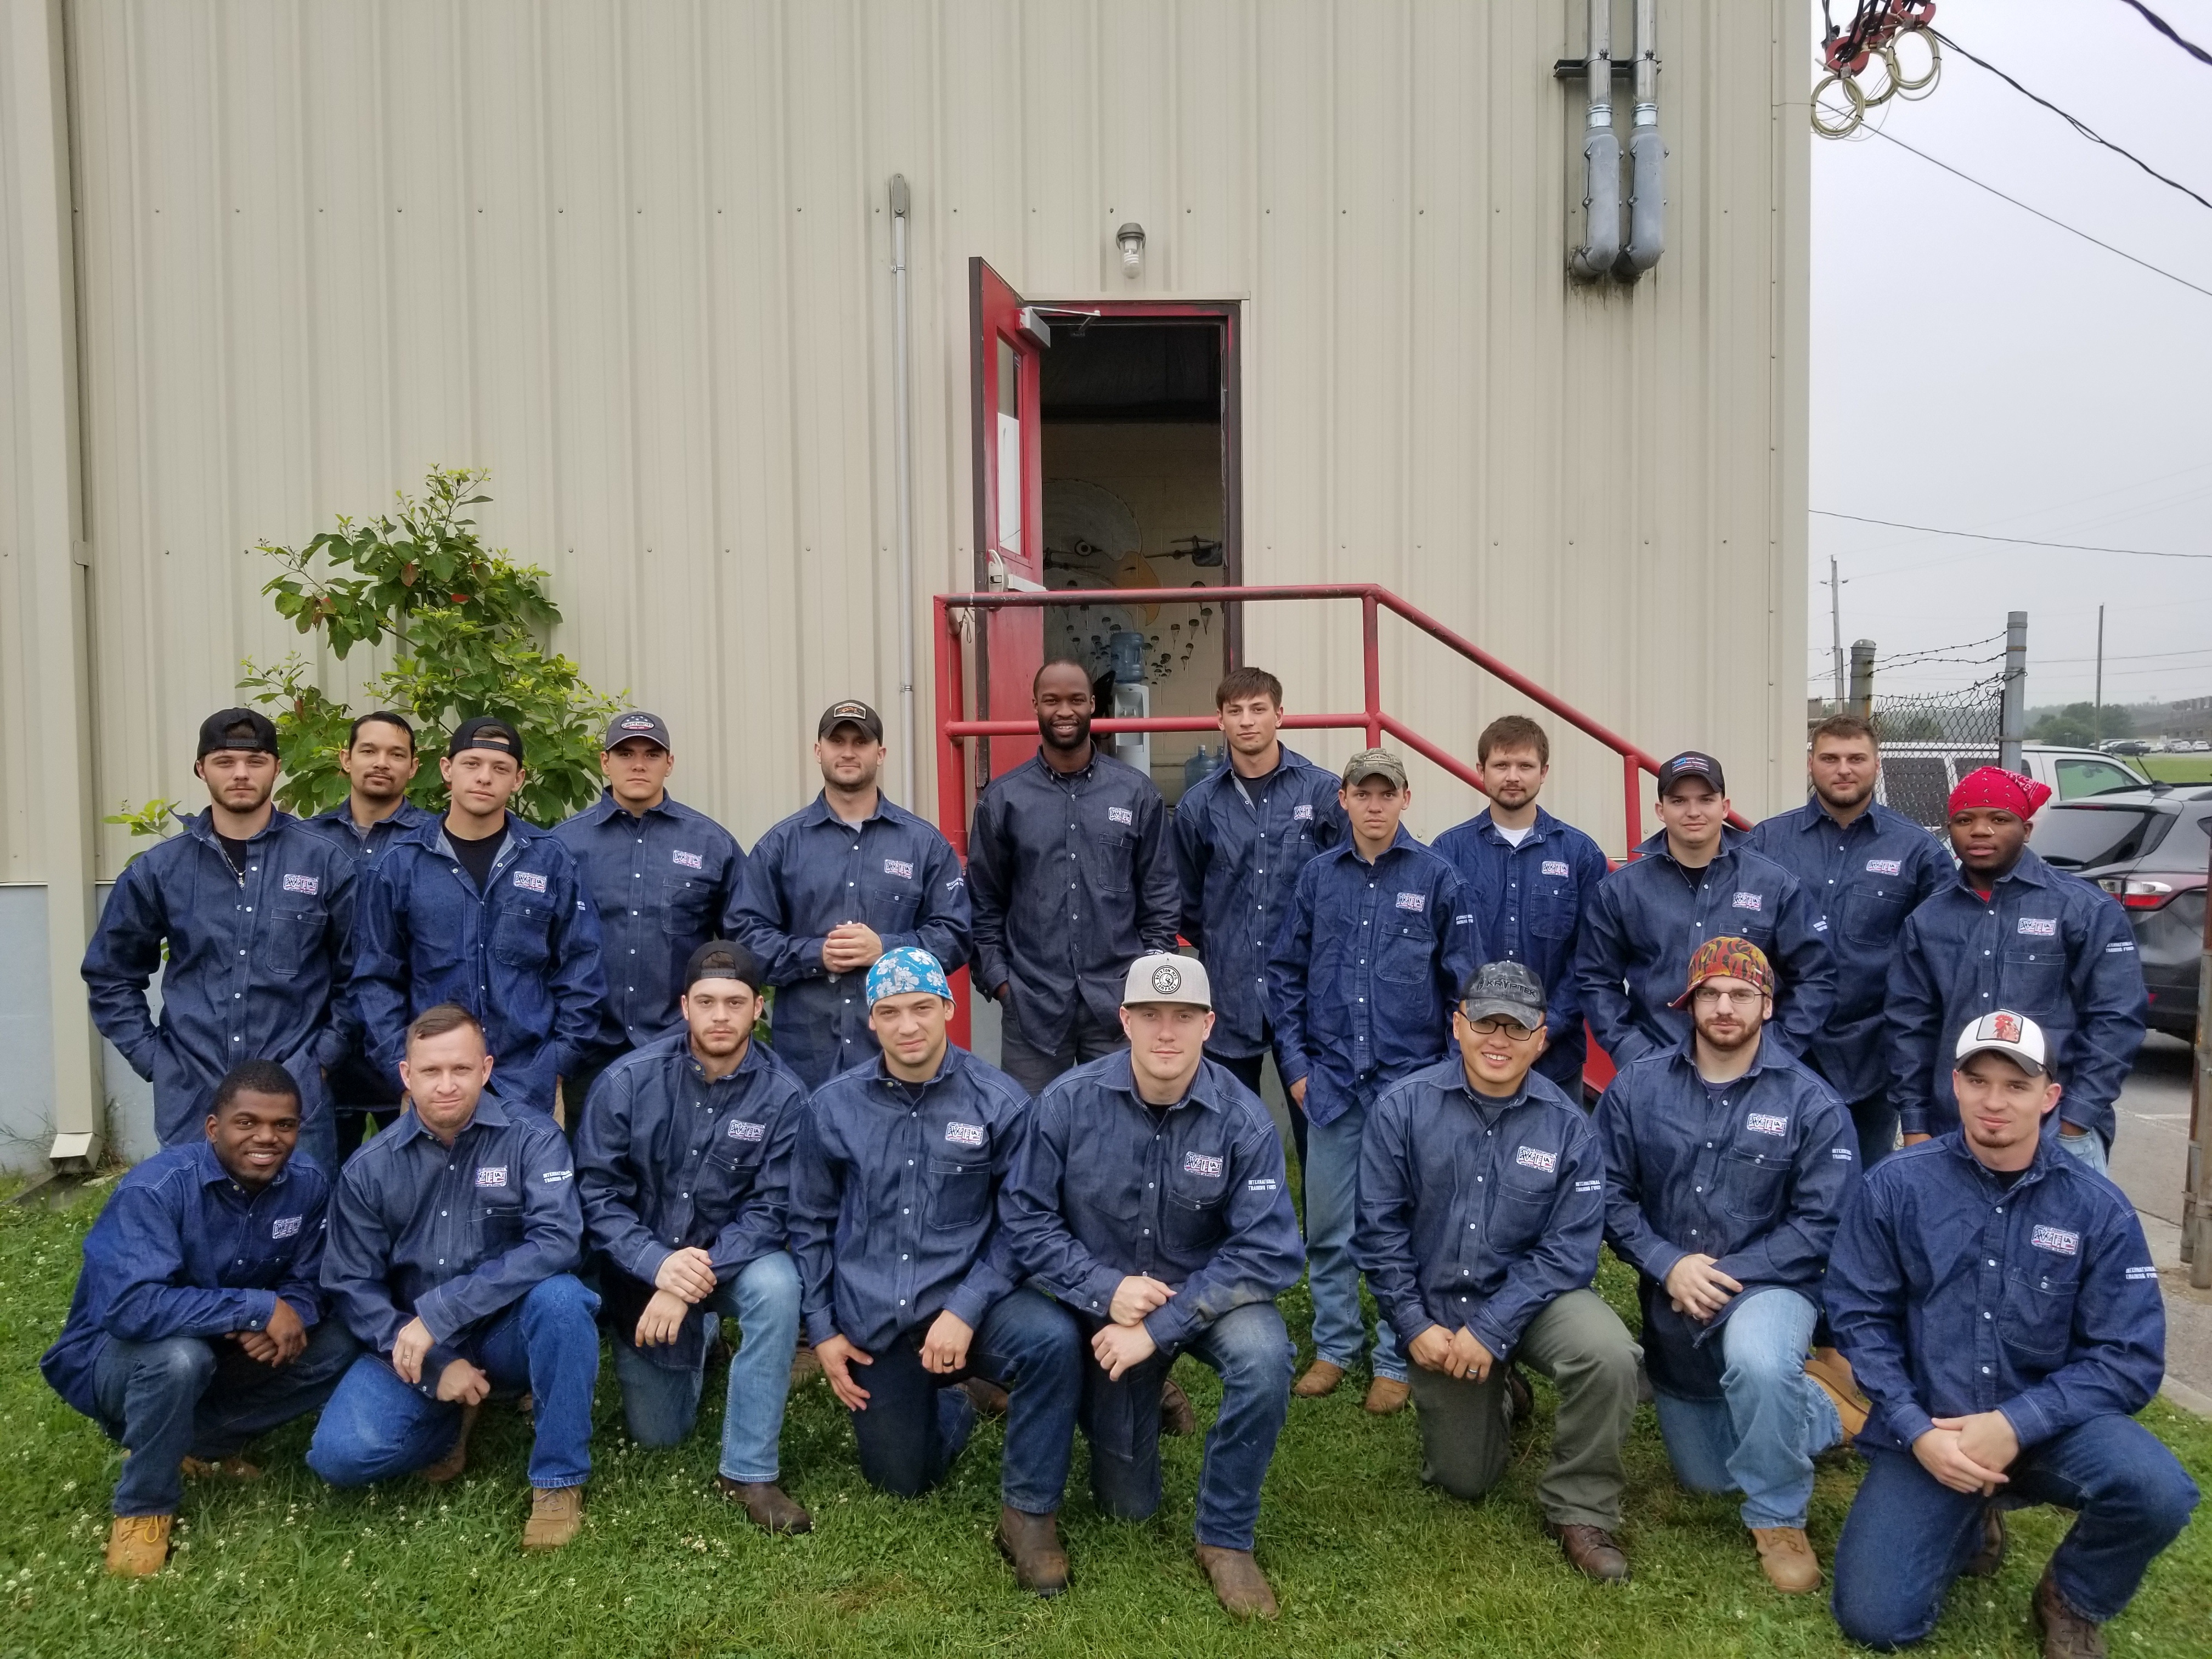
[636,259]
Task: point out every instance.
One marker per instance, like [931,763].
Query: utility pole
[2013,717]
[1835,627]
[2096,721]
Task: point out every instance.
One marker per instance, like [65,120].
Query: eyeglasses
[1710,997]
[1512,1030]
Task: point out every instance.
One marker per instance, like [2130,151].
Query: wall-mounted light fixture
[1131,240]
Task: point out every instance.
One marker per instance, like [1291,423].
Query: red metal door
[1010,340]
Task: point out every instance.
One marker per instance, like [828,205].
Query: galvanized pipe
[903,443]
[1600,156]
[2012,727]
[1647,156]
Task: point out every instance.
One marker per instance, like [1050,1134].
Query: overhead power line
[2071,120]
[2038,212]
[2168,30]
[2022,541]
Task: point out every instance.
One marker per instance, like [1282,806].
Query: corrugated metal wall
[634,258]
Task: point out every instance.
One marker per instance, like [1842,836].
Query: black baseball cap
[722,959]
[1509,989]
[637,724]
[236,728]
[851,712]
[1691,763]
[486,731]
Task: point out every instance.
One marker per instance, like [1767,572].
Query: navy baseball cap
[637,724]
[486,731]
[236,728]
[1691,763]
[722,959]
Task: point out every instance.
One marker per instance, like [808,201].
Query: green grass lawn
[2175,769]
[1364,1560]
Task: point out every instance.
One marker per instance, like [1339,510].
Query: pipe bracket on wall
[1601,246]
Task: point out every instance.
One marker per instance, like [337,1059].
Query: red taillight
[2142,893]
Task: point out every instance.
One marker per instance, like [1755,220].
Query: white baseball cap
[1163,976]
[2016,1036]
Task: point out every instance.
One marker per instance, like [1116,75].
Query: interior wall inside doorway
[1139,504]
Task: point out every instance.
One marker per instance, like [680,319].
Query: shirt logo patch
[1885,866]
[1260,1184]
[964,1134]
[1590,1185]
[1532,1158]
[1841,1154]
[2039,926]
[308,885]
[2142,1272]
[1202,1163]
[1414,902]
[1749,900]
[691,860]
[491,1174]
[1120,815]
[284,1226]
[741,1130]
[1766,1123]
[1557,868]
[530,881]
[898,867]
[2057,1239]
[553,1177]
[1302,813]
[2117,946]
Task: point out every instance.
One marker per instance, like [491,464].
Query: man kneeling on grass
[1996,1299]
[910,1281]
[684,1158]
[1481,1201]
[453,1239]
[196,1323]
[1149,1198]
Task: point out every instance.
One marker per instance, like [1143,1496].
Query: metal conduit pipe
[1647,156]
[902,442]
[1600,156]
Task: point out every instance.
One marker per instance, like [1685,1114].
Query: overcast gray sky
[1976,368]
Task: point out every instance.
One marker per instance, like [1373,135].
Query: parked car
[2150,850]
[1916,778]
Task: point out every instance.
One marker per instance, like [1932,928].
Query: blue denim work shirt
[1366,970]
[522,955]
[1951,1293]
[1476,1211]
[662,882]
[355,1079]
[895,1199]
[454,1235]
[1072,879]
[1193,1195]
[666,1160]
[259,964]
[1647,919]
[2043,943]
[182,1249]
[1755,1177]
[1867,877]
[1528,903]
[813,871]
[1240,843]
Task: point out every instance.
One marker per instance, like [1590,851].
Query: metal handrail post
[1370,646]
[951,775]
[1631,789]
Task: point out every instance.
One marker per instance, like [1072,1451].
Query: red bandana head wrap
[1994,787]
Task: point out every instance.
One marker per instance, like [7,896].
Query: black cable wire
[2023,541]
[2167,29]
[2072,121]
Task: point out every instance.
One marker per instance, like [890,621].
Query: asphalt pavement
[2150,1162]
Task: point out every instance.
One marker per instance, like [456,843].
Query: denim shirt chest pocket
[1402,946]
[1873,914]
[1197,1198]
[1524,1181]
[1107,853]
[684,897]
[2034,965]
[497,1211]
[293,924]
[1746,913]
[2041,1283]
[733,1165]
[1751,1176]
[1552,906]
[521,934]
[959,1184]
[893,894]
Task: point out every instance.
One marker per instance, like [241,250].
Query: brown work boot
[1238,1584]
[1832,1374]
[1177,1416]
[1032,1543]
[989,1399]
[805,1365]
[1789,1564]
[766,1504]
[1320,1378]
[1523,1403]
[2066,1633]
[556,1515]
[456,1459]
[1591,1551]
[137,1544]
[219,1468]
[1386,1394]
[1990,1557]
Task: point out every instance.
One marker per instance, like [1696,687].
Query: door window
[2078,778]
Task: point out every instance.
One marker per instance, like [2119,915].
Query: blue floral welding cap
[905,970]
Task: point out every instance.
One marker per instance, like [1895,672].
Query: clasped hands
[943,1351]
[1969,1453]
[284,1341]
[1460,1353]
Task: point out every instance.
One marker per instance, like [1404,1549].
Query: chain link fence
[1929,740]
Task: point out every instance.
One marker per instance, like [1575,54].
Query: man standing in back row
[1071,877]
[1868,868]
[836,884]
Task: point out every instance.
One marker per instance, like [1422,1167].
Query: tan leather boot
[1320,1378]
[137,1544]
[456,1459]
[1238,1584]
[1032,1543]
[556,1516]
[1385,1396]
[1786,1555]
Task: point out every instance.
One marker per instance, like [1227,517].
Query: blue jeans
[1332,1181]
[1908,1535]
[319,1140]
[1759,1438]
[184,1397]
[2090,1149]
[917,1422]
[1250,1350]
[661,1405]
[376,1426]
